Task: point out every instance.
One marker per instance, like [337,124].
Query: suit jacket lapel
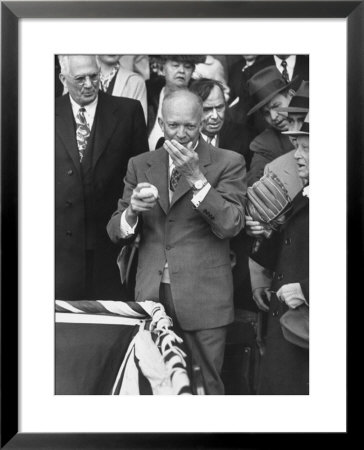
[203,150]
[65,128]
[105,123]
[157,174]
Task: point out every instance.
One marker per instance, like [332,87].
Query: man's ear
[161,123]
[291,93]
[63,79]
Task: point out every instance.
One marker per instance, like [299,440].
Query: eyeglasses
[82,80]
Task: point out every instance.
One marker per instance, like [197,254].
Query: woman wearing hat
[269,91]
[285,365]
[177,72]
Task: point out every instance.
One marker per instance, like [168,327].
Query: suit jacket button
[160,272]
[69,233]
[288,241]
[70,172]
[68,203]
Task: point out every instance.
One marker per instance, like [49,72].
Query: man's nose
[297,153]
[181,132]
[88,82]
[273,114]
[214,114]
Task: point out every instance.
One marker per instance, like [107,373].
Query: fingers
[260,303]
[145,191]
[268,294]
[173,151]
[184,149]
[141,186]
[253,227]
[142,205]
[261,297]
[178,152]
[143,198]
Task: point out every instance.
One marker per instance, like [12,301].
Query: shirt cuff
[200,195]
[125,229]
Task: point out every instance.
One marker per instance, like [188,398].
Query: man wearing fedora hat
[285,365]
[286,169]
[269,91]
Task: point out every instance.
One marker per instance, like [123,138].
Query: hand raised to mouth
[185,160]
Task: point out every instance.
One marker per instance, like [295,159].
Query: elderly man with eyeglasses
[96,134]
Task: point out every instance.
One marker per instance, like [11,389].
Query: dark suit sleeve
[265,149]
[261,156]
[224,205]
[305,289]
[140,138]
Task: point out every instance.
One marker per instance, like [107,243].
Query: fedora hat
[300,103]
[305,129]
[264,85]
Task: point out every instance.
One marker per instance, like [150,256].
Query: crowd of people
[204,160]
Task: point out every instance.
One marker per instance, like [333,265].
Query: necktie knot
[285,72]
[173,181]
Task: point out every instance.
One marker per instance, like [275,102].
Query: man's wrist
[197,182]
[131,216]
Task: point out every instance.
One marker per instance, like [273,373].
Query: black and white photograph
[175,267]
[182,224]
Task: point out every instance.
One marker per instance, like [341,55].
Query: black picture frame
[11,12]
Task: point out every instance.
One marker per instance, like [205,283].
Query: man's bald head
[182,99]
[181,116]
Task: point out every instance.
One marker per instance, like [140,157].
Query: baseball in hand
[147,191]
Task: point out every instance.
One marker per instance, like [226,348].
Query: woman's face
[177,74]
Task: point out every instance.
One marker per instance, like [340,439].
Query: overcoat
[194,241]
[285,366]
[267,146]
[118,132]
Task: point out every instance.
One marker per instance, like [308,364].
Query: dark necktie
[82,132]
[173,181]
[285,72]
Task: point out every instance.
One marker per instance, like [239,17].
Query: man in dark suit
[269,92]
[285,365]
[185,228]
[217,127]
[96,134]
[294,67]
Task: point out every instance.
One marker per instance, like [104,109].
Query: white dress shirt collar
[90,110]
[213,141]
[291,62]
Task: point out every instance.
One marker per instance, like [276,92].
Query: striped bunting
[155,351]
